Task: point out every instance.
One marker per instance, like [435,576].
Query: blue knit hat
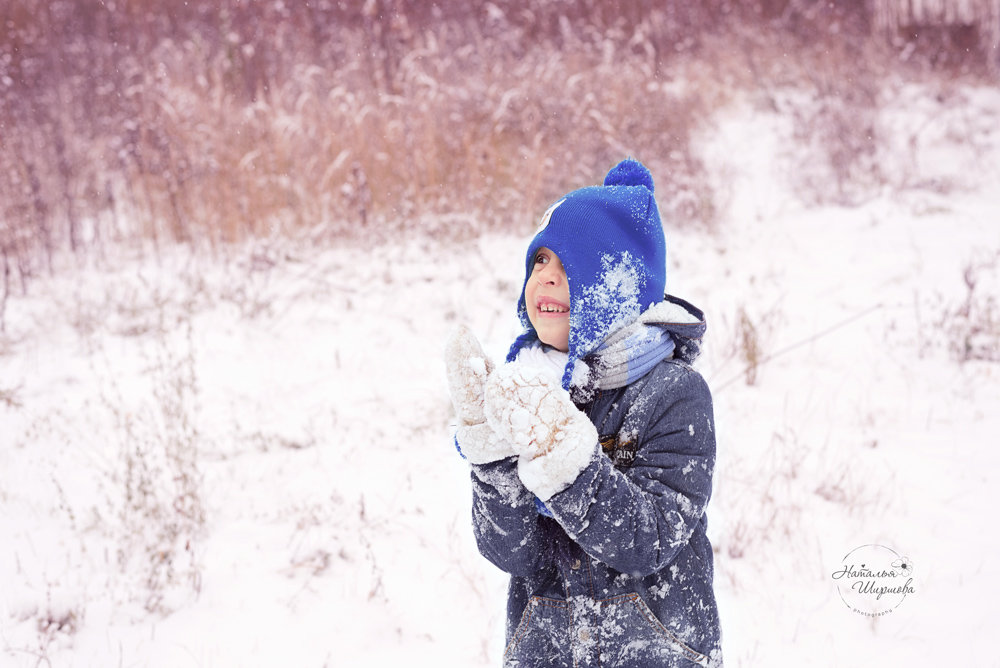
[610,241]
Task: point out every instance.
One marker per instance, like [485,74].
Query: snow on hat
[610,241]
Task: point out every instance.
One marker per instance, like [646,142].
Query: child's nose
[549,275]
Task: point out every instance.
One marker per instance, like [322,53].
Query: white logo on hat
[548,215]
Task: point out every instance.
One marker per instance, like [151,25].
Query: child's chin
[557,343]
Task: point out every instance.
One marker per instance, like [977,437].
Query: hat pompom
[629,172]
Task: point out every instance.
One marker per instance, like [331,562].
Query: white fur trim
[668,312]
[553,362]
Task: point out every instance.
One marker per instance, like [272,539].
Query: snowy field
[246,460]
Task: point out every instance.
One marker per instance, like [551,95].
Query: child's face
[546,297]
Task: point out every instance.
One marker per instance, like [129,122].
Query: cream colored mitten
[468,367]
[554,440]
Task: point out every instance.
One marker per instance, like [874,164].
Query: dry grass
[234,121]
[973,324]
[156,490]
[147,121]
[9,397]
[749,345]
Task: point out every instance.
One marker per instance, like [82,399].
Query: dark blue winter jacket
[621,575]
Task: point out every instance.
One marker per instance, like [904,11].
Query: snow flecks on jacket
[625,546]
[501,487]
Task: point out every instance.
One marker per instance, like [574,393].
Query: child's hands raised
[527,407]
[554,439]
[468,367]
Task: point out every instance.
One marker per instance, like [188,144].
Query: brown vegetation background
[210,121]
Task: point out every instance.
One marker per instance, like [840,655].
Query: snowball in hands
[468,367]
[555,441]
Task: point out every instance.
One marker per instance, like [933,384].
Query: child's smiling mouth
[549,307]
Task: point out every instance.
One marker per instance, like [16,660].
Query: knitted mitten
[468,367]
[553,439]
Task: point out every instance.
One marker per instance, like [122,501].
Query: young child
[592,448]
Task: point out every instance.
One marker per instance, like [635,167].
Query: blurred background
[207,122]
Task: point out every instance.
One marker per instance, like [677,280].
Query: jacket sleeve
[505,520]
[638,520]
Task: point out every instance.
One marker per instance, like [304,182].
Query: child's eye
[541,258]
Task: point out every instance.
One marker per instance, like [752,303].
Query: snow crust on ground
[309,387]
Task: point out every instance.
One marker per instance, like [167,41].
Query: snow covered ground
[247,461]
